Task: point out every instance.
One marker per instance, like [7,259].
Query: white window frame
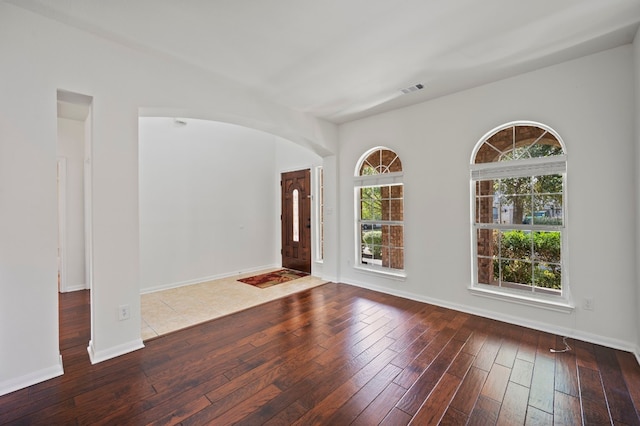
[521,168]
[319,210]
[368,181]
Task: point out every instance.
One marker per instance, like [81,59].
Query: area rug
[273,278]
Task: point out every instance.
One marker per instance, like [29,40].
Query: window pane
[385,235]
[547,275]
[385,209]
[371,237]
[486,208]
[514,195]
[503,213]
[370,203]
[397,258]
[484,187]
[486,270]
[548,146]
[513,186]
[397,211]
[366,210]
[296,218]
[547,199]
[546,246]
[520,207]
[366,193]
[396,236]
[485,242]
[515,244]
[396,191]
[516,271]
[486,245]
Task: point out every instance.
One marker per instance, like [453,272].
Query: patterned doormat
[273,278]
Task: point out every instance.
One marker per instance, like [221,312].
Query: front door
[296,220]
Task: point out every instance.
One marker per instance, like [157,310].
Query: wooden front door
[296,220]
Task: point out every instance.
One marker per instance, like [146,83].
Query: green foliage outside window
[531,258]
[373,241]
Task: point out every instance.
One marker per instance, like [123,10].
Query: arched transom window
[518,175]
[379,197]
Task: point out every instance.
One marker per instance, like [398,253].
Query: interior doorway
[296,220]
[73,113]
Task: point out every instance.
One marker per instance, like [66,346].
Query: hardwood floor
[335,355]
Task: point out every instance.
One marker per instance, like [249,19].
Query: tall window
[518,174]
[379,194]
[319,214]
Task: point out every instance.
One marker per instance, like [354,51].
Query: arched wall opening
[209,203]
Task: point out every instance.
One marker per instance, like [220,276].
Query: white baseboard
[31,379]
[548,328]
[105,354]
[69,289]
[205,279]
[330,278]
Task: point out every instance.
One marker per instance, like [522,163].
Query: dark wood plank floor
[335,355]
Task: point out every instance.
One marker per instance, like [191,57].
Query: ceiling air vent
[412,89]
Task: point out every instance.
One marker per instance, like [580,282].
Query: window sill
[400,275]
[551,303]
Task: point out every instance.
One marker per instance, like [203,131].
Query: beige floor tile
[170,324]
[173,309]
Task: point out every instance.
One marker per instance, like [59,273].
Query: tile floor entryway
[170,310]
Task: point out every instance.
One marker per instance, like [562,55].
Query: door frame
[62,223]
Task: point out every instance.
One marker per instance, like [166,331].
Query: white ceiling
[345,59]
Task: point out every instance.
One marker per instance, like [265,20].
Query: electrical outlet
[587,303]
[124,313]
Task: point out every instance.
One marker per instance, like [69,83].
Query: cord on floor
[567,348]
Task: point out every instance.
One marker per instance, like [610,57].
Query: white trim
[62,223]
[396,274]
[32,378]
[87,174]
[205,279]
[330,278]
[557,303]
[555,165]
[383,179]
[535,325]
[76,287]
[104,355]
[318,203]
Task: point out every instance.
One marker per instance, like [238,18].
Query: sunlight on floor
[170,310]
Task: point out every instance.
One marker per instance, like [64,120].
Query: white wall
[207,201]
[589,103]
[71,148]
[40,56]
[210,199]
